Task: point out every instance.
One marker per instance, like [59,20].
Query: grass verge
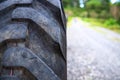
[109,23]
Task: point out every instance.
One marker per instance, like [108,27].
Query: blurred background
[93,39]
[105,13]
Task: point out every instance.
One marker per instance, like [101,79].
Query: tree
[71,3]
[75,3]
[97,6]
[66,3]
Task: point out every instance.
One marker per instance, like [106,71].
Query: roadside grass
[109,23]
[69,21]
[95,23]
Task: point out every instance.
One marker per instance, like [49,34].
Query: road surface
[93,54]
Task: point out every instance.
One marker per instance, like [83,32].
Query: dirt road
[93,54]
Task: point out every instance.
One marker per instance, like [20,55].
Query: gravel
[92,55]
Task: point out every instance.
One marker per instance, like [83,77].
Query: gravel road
[93,54]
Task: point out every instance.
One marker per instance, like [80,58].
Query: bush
[117,4]
[110,21]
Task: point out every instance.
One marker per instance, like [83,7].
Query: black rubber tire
[32,40]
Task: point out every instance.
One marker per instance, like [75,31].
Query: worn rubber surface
[32,40]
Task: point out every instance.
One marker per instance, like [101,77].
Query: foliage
[92,4]
[66,3]
[97,12]
[71,3]
[117,4]
[110,21]
[106,23]
[73,12]
[99,6]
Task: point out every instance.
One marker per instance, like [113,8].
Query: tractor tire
[32,40]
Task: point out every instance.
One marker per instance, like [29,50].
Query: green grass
[109,23]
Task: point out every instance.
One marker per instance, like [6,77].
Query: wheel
[32,40]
